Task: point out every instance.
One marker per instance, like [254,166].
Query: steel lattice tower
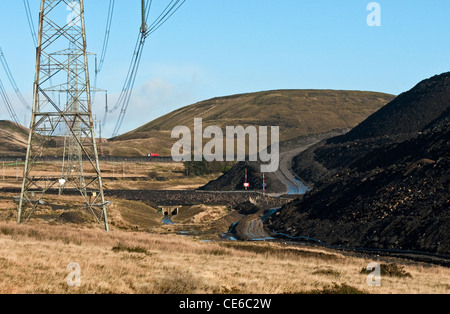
[62,98]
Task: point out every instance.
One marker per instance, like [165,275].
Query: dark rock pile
[234,180]
[384,189]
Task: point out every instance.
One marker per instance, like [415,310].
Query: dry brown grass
[116,175]
[34,257]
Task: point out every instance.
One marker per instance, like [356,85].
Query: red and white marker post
[246,184]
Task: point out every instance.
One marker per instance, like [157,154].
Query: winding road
[252,227]
[285,174]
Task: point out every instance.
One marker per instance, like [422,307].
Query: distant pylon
[62,73]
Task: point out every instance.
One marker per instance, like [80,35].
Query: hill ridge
[410,112]
[298,112]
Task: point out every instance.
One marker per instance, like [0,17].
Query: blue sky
[213,48]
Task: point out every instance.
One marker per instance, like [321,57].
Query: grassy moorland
[34,259]
[142,255]
[116,175]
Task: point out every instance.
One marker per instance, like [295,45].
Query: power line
[107,34]
[161,21]
[98,68]
[12,81]
[7,103]
[10,109]
[26,4]
[125,96]
[162,13]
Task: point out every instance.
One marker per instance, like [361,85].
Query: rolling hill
[297,112]
[13,139]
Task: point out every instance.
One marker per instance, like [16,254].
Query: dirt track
[289,151]
[285,174]
[251,228]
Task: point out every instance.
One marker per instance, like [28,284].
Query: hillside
[410,112]
[403,118]
[13,139]
[297,112]
[390,191]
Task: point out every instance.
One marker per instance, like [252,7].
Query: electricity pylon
[62,73]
